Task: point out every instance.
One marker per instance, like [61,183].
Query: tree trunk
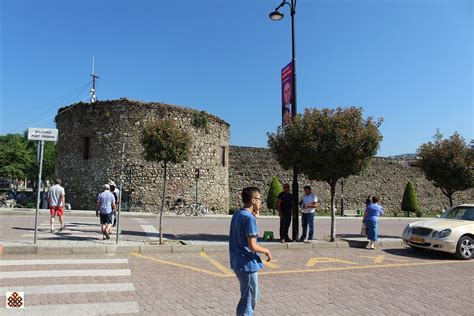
[333,210]
[162,205]
[449,195]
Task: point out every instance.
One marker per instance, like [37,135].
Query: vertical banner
[287,94]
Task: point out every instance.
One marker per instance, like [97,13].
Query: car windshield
[460,212]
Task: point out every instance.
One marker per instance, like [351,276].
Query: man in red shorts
[56,203]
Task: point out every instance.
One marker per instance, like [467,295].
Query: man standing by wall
[308,205]
[284,207]
[243,249]
[56,203]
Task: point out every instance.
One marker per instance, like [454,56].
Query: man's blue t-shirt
[105,200]
[373,212]
[243,225]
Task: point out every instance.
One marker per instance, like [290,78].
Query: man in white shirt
[308,204]
[56,203]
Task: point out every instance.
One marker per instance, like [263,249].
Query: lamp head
[276,15]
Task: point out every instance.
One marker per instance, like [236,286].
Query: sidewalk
[139,234]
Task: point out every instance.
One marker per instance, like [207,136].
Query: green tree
[273,191]
[17,159]
[410,201]
[448,163]
[49,159]
[164,142]
[327,145]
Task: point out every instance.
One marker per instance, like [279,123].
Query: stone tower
[91,137]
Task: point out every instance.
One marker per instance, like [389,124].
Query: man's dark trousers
[285,222]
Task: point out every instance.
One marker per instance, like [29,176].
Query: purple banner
[287,94]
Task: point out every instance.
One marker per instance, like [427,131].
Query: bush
[273,191]
[410,201]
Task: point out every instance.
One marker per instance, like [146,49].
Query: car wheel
[464,248]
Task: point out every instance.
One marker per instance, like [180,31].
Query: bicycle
[196,209]
[178,207]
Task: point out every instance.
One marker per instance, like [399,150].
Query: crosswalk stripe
[60,261]
[76,309]
[64,273]
[151,231]
[65,235]
[69,288]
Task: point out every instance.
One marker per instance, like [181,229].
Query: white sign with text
[47,134]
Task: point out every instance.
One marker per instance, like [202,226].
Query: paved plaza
[190,274]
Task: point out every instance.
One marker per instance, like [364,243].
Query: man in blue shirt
[243,249]
[105,205]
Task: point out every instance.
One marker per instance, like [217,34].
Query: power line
[78,92]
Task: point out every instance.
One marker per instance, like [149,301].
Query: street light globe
[276,16]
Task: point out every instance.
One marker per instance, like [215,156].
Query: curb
[142,248]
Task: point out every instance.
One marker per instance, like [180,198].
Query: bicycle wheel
[203,210]
[188,211]
[180,209]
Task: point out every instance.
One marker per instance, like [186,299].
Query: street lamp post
[277,16]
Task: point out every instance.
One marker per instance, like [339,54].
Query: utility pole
[94,77]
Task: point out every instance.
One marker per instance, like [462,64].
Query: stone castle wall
[103,127]
[385,177]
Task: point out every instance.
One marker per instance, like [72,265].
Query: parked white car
[453,232]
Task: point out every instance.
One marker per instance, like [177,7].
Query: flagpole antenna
[92,92]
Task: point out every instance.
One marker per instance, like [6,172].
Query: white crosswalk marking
[60,261]
[76,309]
[69,288]
[63,273]
[33,293]
[151,231]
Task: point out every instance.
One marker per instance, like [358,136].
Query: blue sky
[408,61]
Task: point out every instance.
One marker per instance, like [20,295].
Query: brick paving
[349,281]
[321,278]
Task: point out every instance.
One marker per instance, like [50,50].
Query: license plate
[417,239]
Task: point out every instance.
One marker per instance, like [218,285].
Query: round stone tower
[89,153]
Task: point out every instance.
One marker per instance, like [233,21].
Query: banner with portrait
[287,94]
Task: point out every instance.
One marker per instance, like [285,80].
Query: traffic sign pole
[40,155]
[41,135]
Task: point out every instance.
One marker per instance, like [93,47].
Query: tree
[327,145]
[273,191]
[448,163]
[17,159]
[410,201]
[164,142]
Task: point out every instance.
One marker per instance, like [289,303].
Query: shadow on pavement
[342,236]
[424,254]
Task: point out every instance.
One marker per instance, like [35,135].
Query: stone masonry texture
[385,177]
[89,151]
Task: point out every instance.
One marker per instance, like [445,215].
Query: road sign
[47,134]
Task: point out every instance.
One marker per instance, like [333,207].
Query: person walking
[308,203]
[285,207]
[115,191]
[371,218]
[105,205]
[56,199]
[243,249]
